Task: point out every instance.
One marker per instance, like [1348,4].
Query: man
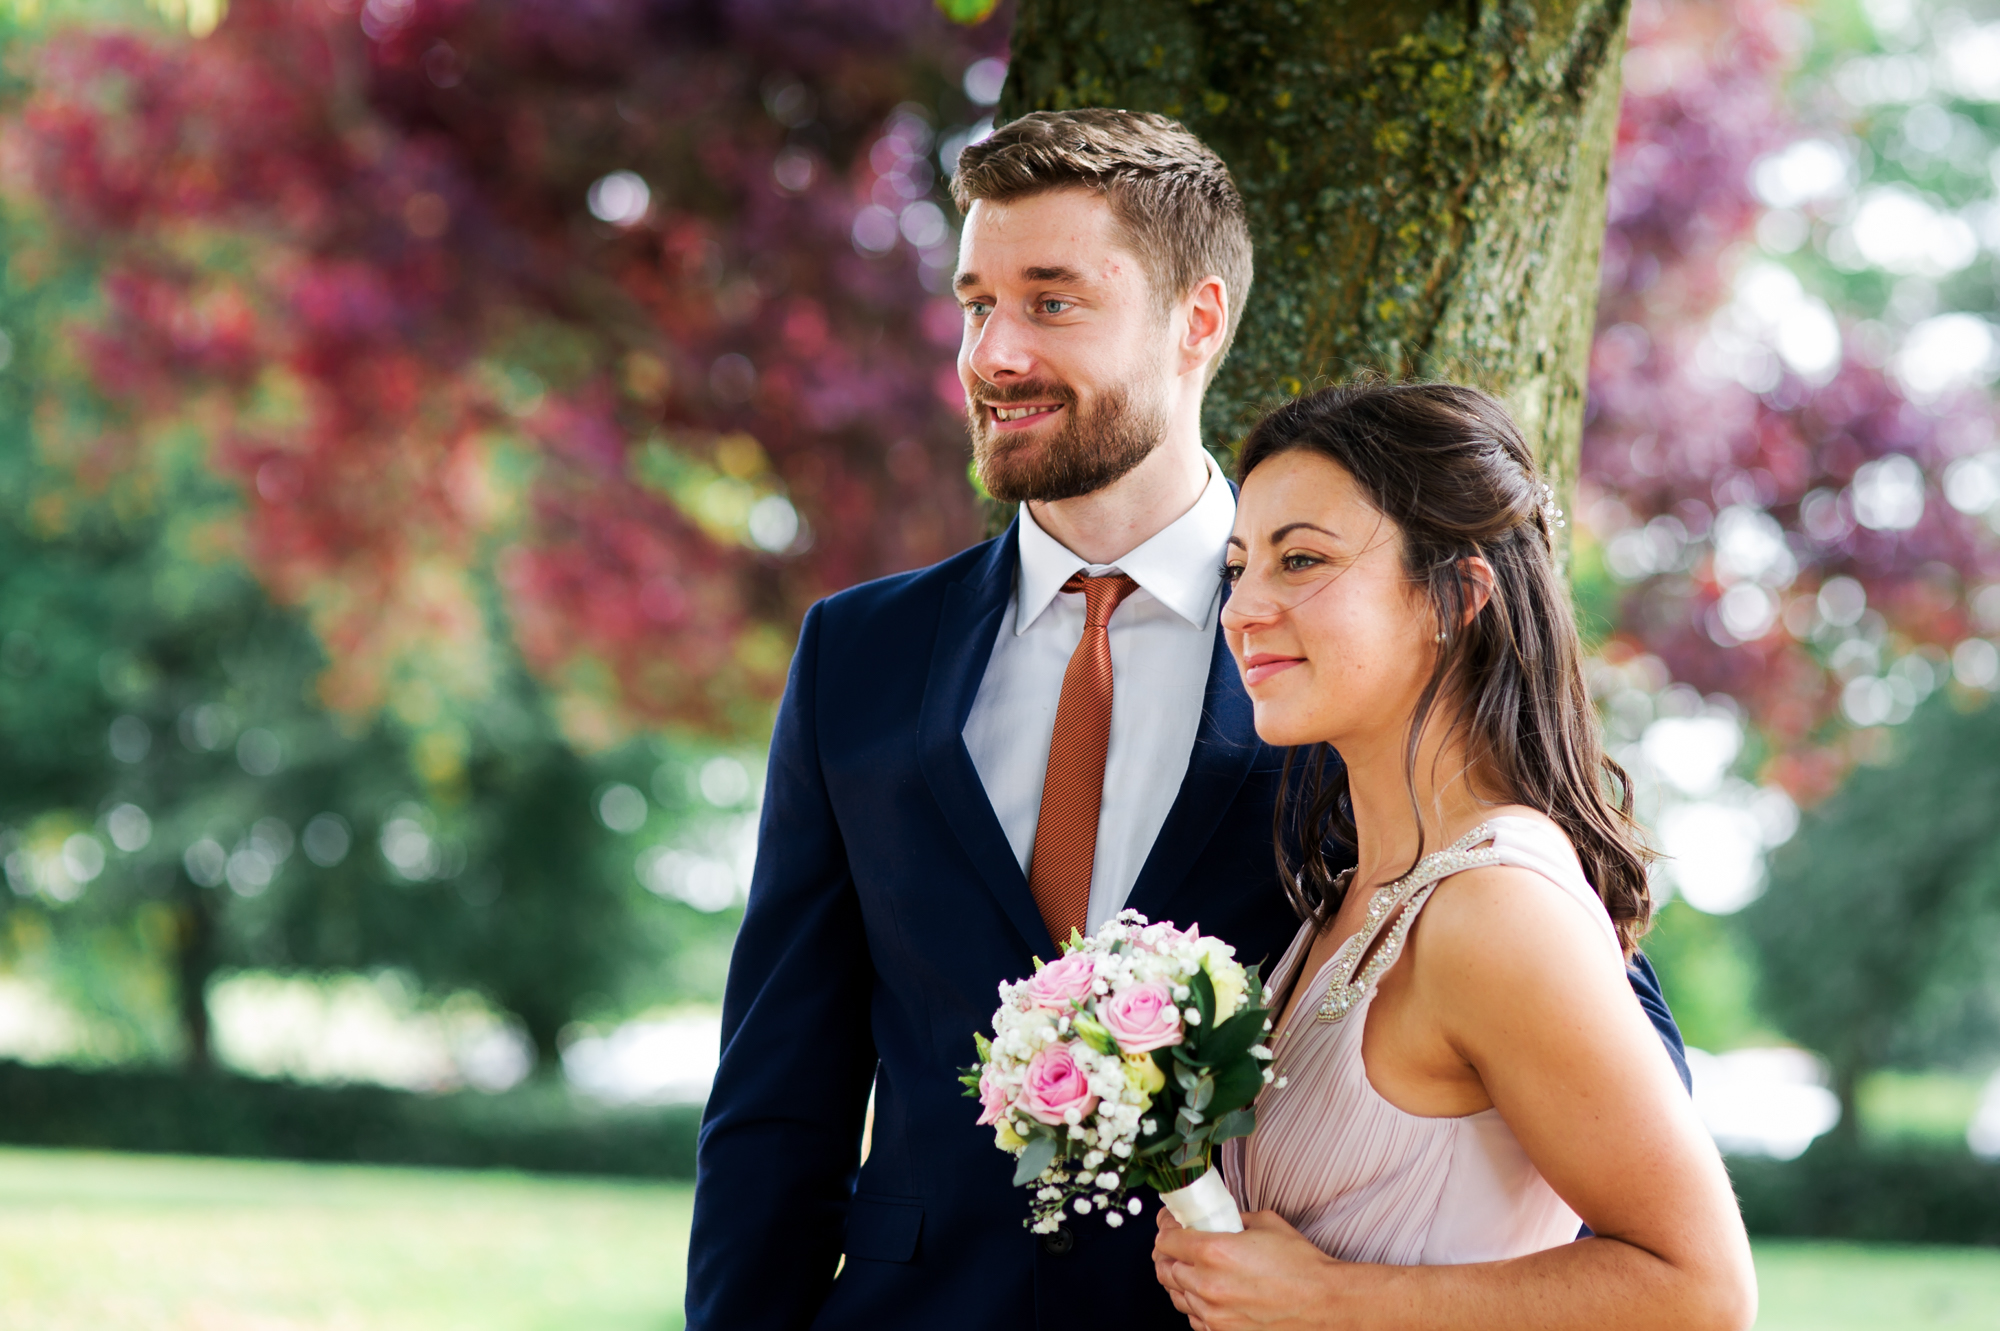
[974,759]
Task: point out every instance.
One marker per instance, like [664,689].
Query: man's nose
[1000,349]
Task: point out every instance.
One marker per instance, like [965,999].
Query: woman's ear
[1479,581]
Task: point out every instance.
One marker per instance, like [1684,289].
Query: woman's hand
[1268,1278]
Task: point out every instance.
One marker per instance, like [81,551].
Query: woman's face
[1334,641]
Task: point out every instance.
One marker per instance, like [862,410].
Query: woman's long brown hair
[1446,464]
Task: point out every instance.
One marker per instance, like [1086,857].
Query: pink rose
[992,1101]
[1141,1018]
[1055,985]
[1055,1085]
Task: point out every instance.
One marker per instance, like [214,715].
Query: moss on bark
[1425,182]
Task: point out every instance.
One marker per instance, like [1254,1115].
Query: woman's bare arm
[1521,986]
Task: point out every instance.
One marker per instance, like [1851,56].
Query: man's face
[1065,358]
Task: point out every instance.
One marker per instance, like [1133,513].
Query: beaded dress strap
[1394,907]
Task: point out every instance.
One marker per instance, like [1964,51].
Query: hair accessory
[1551,515]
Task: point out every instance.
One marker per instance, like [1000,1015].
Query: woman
[1465,1073]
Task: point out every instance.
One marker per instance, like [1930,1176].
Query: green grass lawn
[132,1243]
[1837,1286]
[147,1243]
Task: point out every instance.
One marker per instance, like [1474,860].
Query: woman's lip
[1257,669]
[1040,412]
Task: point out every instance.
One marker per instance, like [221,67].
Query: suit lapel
[966,628]
[1225,746]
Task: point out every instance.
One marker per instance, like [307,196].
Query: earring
[1440,636]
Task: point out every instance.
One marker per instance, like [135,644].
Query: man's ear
[1479,584]
[1206,323]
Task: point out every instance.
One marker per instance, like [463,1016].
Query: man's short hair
[1167,189]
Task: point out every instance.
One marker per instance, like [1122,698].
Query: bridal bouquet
[1126,1062]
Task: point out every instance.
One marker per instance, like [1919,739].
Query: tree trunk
[1847,1073]
[195,960]
[1425,182]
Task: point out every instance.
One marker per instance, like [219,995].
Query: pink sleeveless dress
[1361,1179]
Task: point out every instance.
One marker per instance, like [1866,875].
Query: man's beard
[1087,452]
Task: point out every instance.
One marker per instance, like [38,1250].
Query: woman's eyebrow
[1291,527]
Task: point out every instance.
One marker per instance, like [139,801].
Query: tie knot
[1101,596]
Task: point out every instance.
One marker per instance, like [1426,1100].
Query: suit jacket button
[1059,1243]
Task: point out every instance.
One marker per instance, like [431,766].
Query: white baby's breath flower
[1122,1150]
[1083,1206]
[1260,1051]
[1193,1016]
[1107,1180]
[1281,1082]
[1135,1206]
[1113,1219]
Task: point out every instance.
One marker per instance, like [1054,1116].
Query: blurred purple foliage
[1780,535]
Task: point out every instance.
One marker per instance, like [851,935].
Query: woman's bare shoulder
[1503,925]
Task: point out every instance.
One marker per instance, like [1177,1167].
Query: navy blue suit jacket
[886,909]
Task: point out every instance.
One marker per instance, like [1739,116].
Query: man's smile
[1020,417]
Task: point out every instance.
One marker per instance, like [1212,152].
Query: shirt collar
[1181,566]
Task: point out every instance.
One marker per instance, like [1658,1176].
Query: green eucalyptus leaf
[1202,1093]
[1235,1123]
[1037,1155]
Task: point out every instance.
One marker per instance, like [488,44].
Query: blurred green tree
[1879,934]
[176,799]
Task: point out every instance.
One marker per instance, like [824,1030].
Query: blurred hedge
[540,1128]
[1905,1194]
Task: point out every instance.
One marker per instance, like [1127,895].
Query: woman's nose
[1248,607]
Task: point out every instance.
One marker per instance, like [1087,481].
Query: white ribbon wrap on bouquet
[1206,1205]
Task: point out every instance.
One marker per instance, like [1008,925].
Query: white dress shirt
[1162,642]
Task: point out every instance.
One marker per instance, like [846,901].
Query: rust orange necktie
[1073,793]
